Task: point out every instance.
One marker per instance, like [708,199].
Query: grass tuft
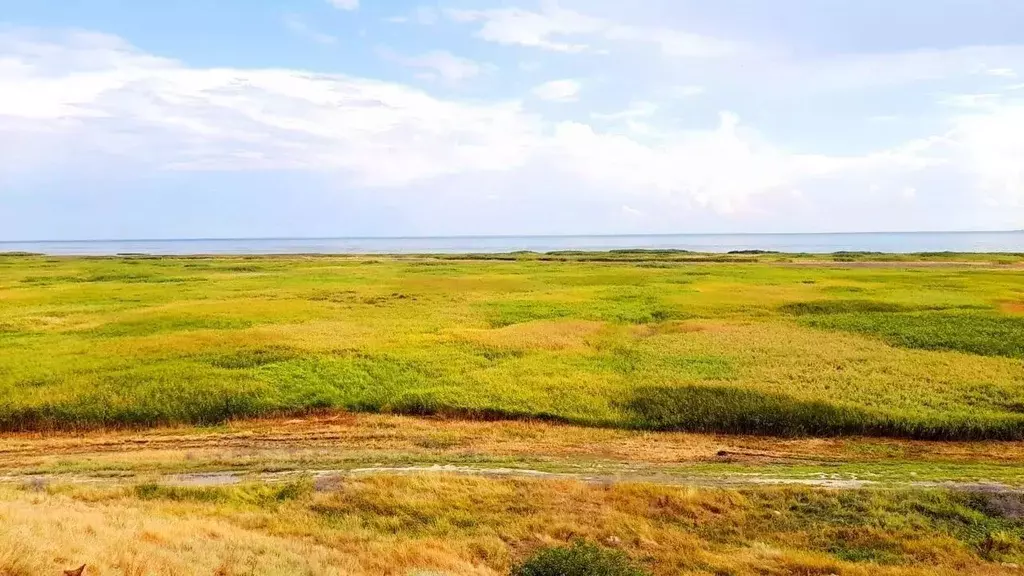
[579,559]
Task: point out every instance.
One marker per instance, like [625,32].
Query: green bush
[579,559]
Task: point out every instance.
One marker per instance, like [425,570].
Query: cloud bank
[74,101]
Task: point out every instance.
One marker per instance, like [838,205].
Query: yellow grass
[471,526]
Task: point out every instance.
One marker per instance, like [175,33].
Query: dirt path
[329,449]
[328,479]
[386,433]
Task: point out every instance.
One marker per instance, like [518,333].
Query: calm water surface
[816,243]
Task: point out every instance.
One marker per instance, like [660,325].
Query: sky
[122,119]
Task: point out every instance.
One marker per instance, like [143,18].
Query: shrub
[579,559]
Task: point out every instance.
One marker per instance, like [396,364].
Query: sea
[892,242]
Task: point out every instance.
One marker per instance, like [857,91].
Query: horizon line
[503,236]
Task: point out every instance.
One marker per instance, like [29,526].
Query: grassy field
[922,346]
[746,414]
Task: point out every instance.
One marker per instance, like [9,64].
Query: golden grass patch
[539,335]
[1012,307]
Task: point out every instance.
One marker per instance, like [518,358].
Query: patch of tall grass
[641,309]
[737,411]
[578,559]
[986,334]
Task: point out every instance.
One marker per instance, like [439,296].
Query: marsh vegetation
[513,414]
[928,346]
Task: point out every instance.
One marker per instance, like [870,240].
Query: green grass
[260,495]
[986,334]
[579,559]
[739,411]
[754,343]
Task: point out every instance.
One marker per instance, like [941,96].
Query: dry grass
[1013,307]
[542,335]
[469,526]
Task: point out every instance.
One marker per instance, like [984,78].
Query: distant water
[903,242]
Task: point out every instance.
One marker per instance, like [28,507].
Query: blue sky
[127,119]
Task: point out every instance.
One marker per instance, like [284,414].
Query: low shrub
[579,559]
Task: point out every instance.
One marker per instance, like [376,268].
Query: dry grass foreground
[472,526]
[124,523]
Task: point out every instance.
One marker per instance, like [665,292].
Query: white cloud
[721,168]
[859,71]
[115,100]
[526,28]
[298,26]
[558,90]
[636,120]
[439,64]
[638,109]
[97,101]
[1002,72]
[971,100]
[344,4]
[673,42]
[991,143]
[562,30]
[422,15]
[687,91]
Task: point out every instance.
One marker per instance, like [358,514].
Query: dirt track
[326,479]
[332,448]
